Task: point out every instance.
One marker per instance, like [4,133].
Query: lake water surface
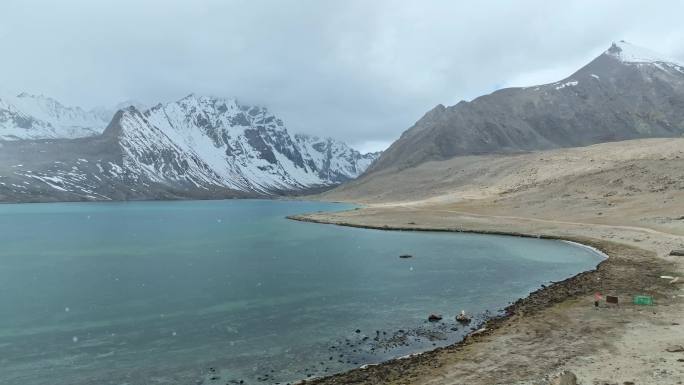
[214,292]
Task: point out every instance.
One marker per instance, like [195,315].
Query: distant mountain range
[196,147]
[206,147]
[625,93]
[27,116]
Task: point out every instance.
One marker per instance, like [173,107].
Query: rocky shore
[555,328]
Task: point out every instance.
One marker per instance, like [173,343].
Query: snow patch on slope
[571,83]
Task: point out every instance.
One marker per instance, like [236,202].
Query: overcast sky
[361,71]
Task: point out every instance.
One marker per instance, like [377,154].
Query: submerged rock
[434,318]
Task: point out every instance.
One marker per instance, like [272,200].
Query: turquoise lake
[218,292]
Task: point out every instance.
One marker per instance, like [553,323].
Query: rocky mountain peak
[628,92]
[131,102]
[630,53]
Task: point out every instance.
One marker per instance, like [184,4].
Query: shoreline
[488,325]
[567,290]
[577,242]
[595,250]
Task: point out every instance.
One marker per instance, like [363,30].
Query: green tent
[643,300]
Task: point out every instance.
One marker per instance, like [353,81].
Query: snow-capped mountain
[213,141]
[627,92]
[334,160]
[196,147]
[27,116]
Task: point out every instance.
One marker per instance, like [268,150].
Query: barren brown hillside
[626,198]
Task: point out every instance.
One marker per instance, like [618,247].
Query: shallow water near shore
[218,292]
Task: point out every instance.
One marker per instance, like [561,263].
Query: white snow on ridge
[196,142]
[630,53]
[332,156]
[27,116]
[206,141]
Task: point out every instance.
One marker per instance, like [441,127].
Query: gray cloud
[361,71]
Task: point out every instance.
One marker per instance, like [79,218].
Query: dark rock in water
[678,253]
[405,256]
[358,331]
[434,318]
[463,318]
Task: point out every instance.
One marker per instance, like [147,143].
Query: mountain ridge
[28,116]
[195,147]
[619,95]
